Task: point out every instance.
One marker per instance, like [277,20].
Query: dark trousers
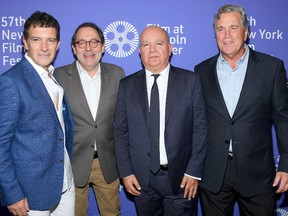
[159,200]
[222,203]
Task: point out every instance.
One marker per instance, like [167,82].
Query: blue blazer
[31,140]
[185,127]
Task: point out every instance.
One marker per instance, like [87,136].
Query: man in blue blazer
[167,186]
[245,92]
[36,128]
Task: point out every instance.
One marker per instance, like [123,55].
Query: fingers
[190,186]
[131,185]
[190,192]
[282,188]
[20,208]
[281,179]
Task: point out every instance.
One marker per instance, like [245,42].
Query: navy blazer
[185,127]
[263,101]
[31,139]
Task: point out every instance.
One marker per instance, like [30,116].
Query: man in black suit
[245,92]
[160,152]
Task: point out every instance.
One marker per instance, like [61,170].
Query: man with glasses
[91,88]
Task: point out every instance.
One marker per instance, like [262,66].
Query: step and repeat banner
[188,23]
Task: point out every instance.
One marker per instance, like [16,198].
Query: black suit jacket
[185,127]
[263,100]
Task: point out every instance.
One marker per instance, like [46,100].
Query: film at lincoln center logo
[121,39]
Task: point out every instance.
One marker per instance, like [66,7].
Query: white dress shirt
[92,90]
[162,82]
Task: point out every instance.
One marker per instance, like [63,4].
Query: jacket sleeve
[10,189]
[121,136]
[280,115]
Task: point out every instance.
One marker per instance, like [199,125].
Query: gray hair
[232,8]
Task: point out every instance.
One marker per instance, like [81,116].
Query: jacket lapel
[141,90]
[173,92]
[215,87]
[78,91]
[105,83]
[38,88]
[250,79]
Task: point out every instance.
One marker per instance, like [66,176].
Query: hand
[281,179]
[20,208]
[191,185]
[131,185]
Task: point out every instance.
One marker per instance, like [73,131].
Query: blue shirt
[231,81]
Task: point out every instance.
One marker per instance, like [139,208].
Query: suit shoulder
[61,73]
[62,69]
[207,62]
[133,76]
[16,72]
[180,70]
[265,57]
[114,67]
[185,73]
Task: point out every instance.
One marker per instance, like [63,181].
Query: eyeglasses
[92,43]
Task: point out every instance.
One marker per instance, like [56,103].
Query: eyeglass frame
[86,42]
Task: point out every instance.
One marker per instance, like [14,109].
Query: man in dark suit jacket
[171,188]
[245,92]
[91,88]
[36,128]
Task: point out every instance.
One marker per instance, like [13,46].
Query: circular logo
[121,39]
[282,212]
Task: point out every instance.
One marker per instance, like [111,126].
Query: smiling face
[155,49]
[231,35]
[88,57]
[41,45]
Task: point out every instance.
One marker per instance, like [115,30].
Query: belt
[95,155]
[164,167]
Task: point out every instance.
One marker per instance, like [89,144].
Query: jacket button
[95,126]
[232,122]
[227,142]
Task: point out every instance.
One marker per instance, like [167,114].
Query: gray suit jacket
[86,130]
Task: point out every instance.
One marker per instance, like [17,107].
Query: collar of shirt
[244,58]
[164,74]
[83,71]
[40,70]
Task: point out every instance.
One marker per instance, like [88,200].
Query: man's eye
[220,29]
